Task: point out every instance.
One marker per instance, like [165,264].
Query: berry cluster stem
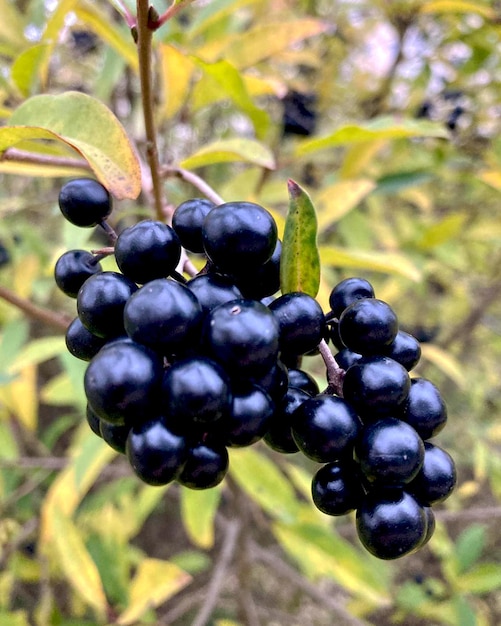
[335,374]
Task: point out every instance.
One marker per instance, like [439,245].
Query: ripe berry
[213,289]
[336,488]
[239,236]
[157,455]
[101,301]
[115,435]
[206,465]
[196,389]
[262,281]
[85,202]
[164,315]
[187,221]
[122,382]
[325,428]
[242,335]
[345,358]
[367,326]
[274,382]
[391,523]
[376,386]
[425,408]
[301,379]
[147,250]
[348,291]
[437,478]
[279,435]
[248,419]
[93,420]
[80,342]
[390,452]
[73,268]
[405,349]
[301,320]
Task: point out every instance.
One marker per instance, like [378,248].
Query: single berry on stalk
[85,202]
[367,326]
[425,408]
[437,478]
[73,268]
[80,342]
[336,488]
[206,465]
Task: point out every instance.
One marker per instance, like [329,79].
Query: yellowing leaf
[198,510]
[11,24]
[300,263]
[155,581]
[37,351]
[34,170]
[25,68]
[445,230]
[102,143]
[445,362]
[231,150]
[176,70]
[379,128]
[457,6]
[492,178]
[20,397]
[77,564]
[386,262]
[337,200]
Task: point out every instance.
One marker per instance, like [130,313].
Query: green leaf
[393,183]
[445,230]
[300,261]
[17,618]
[260,478]
[480,579]
[229,150]
[77,564]
[379,128]
[155,581]
[469,546]
[112,560]
[458,6]
[198,512]
[11,25]
[24,71]
[386,262]
[37,351]
[102,143]
[230,83]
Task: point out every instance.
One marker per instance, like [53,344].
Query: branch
[144,51]
[157,21]
[22,156]
[60,321]
[196,181]
[335,374]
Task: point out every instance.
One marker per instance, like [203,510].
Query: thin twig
[22,156]
[193,179]
[335,374]
[144,51]
[60,321]
[171,12]
[129,18]
[219,573]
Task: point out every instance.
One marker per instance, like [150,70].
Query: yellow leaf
[25,273]
[198,510]
[155,581]
[177,70]
[231,150]
[358,156]
[458,6]
[11,24]
[445,362]
[492,178]
[20,397]
[337,200]
[77,564]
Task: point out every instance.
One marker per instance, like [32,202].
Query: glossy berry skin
[101,301]
[213,289]
[243,336]
[437,478]
[376,387]
[115,435]
[187,221]
[274,382]
[391,523]
[336,488]
[279,435]
[430,525]
[301,379]
[73,268]
[425,408]
[390,452]
[367,326]
[80,342]
[164,315]
[301,320]
[85,202]
[325,428]
[147,250]
[334,336]
[206,465]
[405,349]
[122,382]
[196,389]
[239,236]
[249,417]
[156,454]
[93,420]
[348,291]
[264,280]
[345,358]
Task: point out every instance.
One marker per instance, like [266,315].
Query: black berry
[84,202]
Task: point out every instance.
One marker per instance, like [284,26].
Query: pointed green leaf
[379,128]
[76,562]
[300,261]
[102,143]
[469,546]
[155,581]
[198,511]
[481,578]
[25,68]
[230,150]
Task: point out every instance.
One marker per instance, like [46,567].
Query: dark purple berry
[248,419]
[85,202]
[437,478]
[367,326]
[301,379]
[279,435]
[345,358]
[115,435]
[93,420]
[81,343]
[301,320]
[213,289]
[425,408]
[348,291]
[336,488]
[206,465]
[187,221]
[73,268]
[405,349]
[263,281]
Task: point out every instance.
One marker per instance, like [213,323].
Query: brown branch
[193,179]
[335,374]
[22,156]
[60,321]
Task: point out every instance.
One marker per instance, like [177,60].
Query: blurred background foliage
[389,114]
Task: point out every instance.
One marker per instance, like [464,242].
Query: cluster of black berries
[179,370]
